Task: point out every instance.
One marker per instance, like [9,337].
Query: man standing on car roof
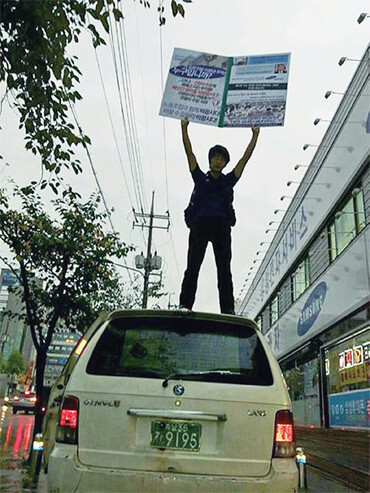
[210,216]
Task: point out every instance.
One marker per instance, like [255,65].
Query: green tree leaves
[15,364]
[64,262]
[2,364]
[36,66]
[177,8]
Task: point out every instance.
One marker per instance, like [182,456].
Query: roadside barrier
[301,460]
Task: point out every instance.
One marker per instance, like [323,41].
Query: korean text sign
[227,91]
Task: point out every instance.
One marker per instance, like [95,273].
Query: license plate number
[176,435]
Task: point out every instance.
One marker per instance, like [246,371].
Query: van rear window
[200,350]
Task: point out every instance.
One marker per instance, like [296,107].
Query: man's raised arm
[239,168]
[187,145]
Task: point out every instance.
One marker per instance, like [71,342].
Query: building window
[348,223]
[300,279]
[274,310]
[259,321]
[347,381]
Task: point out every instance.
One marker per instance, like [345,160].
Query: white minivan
[174,401]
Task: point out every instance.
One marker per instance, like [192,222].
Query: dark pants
[219,234]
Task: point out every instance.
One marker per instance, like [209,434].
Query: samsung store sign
[312,308]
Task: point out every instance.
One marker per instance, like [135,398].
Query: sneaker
[184,308]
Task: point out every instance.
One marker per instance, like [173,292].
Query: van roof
[183,314]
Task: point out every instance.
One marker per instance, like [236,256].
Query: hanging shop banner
[350,409]
[227,91]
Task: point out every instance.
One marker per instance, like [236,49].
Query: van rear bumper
[66,475]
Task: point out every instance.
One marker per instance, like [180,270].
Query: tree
[134,297]
[295,381]
[64,266]
[15,364]
[41,76]
[176,7]
[2,363]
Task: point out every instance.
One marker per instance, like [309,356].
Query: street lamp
[285,197]
[327,185]
[318,120]
[336,168]
[276,222]
[344,59]
[329,93]
[362,17]
[318,199]
[349,148]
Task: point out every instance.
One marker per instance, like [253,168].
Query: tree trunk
[40,370]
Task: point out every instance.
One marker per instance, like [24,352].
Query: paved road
[15,440]
[319,482]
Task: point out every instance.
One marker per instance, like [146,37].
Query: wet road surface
[15,443]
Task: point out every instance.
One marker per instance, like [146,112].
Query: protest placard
[227,91]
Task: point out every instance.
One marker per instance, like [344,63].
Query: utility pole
[149,263]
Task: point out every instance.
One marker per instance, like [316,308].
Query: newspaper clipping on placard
[195,87]
[257,91]
[227,91]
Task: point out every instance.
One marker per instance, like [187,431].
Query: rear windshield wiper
[179,376]
[136,372]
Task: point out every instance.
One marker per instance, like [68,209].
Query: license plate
[176,435]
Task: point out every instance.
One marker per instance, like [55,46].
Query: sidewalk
[319,482]
[15,479]
[343,454]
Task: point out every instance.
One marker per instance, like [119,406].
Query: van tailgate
[213,428]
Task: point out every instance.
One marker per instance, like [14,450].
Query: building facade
[14,333]
[310,295]
[7,279]
[61,346]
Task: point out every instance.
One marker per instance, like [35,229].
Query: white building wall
[343,288]
[341,156]
[345,156]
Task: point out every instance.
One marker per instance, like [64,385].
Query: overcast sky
[317,33]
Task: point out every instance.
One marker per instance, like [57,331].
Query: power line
[132,112]
[96,177]
[148,264]
[129,151]
[119,53]
[115,136]
[138,37]
[112,126]
[165,139]
[163,119]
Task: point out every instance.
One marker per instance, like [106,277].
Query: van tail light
[284,446]
[68,421]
